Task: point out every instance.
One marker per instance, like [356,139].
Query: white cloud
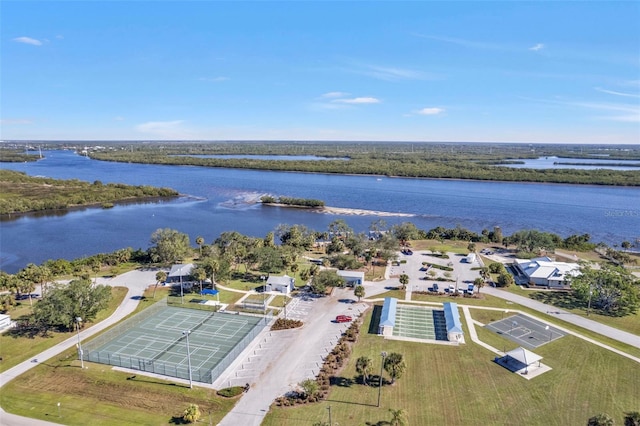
[537,47]
[15,121]
[333,95]
[118,118]
[463,42]
[28,40]
[359,100]
[430,111]
[611,92]
[214,79]
[390,73]
[59,36]
[165,129]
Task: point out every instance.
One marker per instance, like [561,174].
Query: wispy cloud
[537,47]
[463,42]
[622,112]
[118,118]
[388,73]
[612,92]
[28,40]
[214,79]
[333,95]
[430,111]
[360,100]
[15,121]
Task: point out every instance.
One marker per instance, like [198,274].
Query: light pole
[59,415]
[329,408]
[383,355]
[589,305]
[550,332]
[78,321]
[181,290]
[513,324]
[506,311]
[186,334]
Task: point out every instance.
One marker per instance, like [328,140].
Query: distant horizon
[493,72]
[107,141]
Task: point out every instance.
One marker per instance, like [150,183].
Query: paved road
[597,327]
[136,281]
[294,355]
[465,274]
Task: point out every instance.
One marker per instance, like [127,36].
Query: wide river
[223,200]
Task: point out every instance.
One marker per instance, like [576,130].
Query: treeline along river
[218,200]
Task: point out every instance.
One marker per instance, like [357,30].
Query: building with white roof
[542,271]
[284,284]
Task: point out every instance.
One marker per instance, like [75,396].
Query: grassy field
[100,395]
[462,386]
[15,350]
[496,302]
[568,302]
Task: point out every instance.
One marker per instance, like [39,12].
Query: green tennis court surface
[418,322]
[158,342]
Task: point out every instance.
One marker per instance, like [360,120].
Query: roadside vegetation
[20,193]
[436,376]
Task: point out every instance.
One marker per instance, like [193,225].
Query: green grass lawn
[14,349]
[568,302]
[496,302]
[462,386]
[100,395]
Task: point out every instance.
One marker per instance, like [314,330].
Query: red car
[343,318]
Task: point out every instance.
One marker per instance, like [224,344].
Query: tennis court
[417,322]
[526,331]
[158,342]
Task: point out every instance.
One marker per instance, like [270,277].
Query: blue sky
[506,71]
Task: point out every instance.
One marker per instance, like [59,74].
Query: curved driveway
[135,281]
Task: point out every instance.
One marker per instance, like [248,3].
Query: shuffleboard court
[166,340]
[419,322]
[526,331]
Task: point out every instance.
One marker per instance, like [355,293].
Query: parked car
[343,318]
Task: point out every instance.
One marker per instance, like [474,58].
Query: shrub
[284,324]
[231,392]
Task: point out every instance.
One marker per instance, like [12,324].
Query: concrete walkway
[135,281]
[596,327]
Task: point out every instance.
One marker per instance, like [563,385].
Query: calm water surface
[576,163]
[224,200]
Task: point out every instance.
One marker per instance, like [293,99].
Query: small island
[292,202]
[20,193]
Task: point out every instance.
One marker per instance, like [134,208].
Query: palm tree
[394,365]
[363,367]
[601,419]
[161,276]
[478,282]
[632,418]
[200,243]
[6,302]
[191,414]
[404,280]
[359,292]
[199,273]
[398,417]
